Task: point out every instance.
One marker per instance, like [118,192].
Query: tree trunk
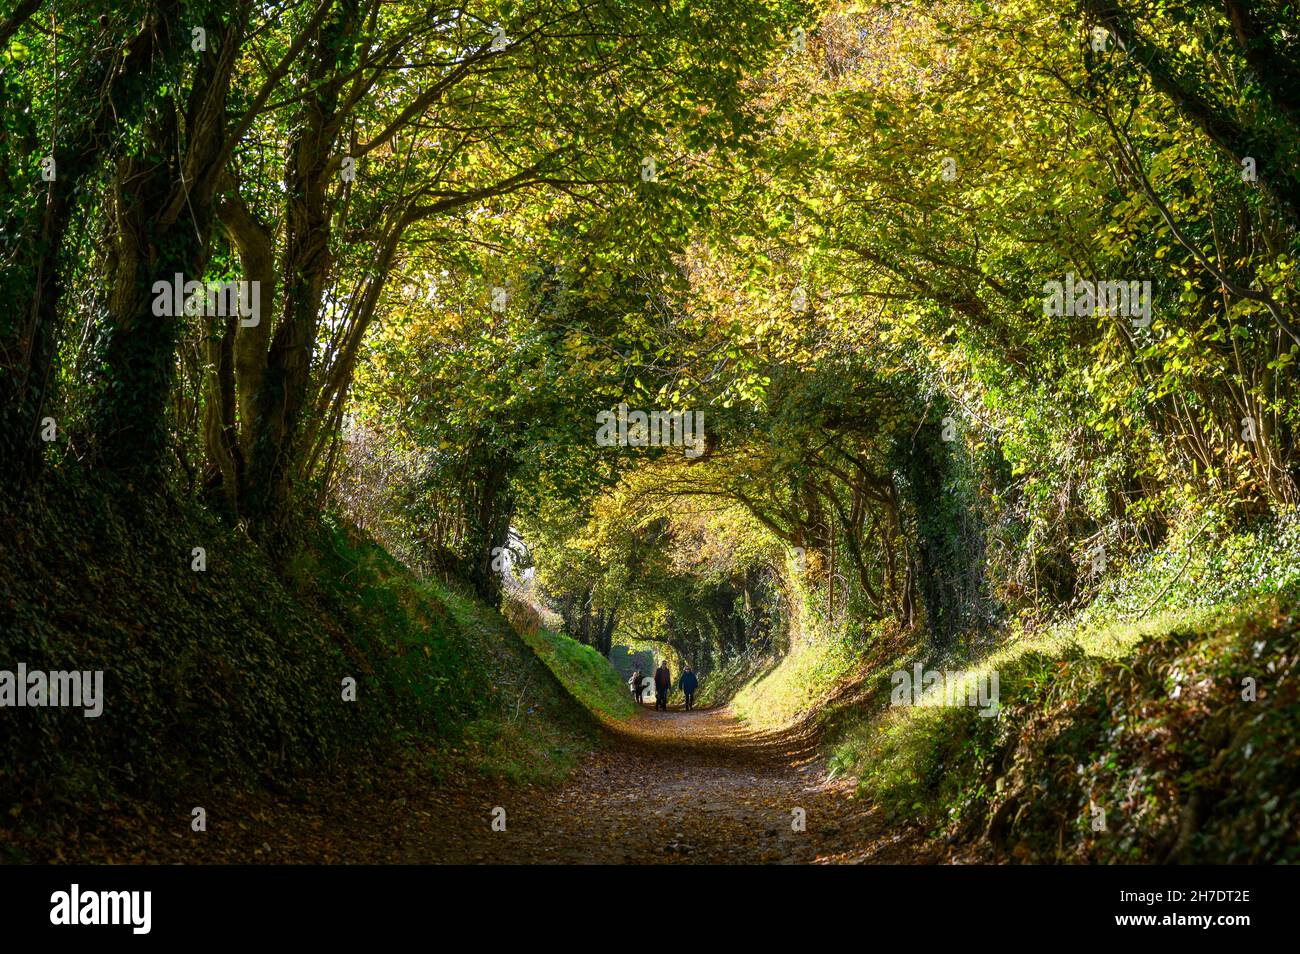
[282,395]
[162,212]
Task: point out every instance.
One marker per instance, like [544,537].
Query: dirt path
[697,787]
[672,787]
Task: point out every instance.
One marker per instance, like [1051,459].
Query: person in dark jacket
[688,684]
[663,686]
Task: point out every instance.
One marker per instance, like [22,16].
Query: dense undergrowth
[1154,724]
[234,675]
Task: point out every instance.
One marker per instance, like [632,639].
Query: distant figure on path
[635,683]
[663,685]
[688,685]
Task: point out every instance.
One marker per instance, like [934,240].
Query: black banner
[142,904]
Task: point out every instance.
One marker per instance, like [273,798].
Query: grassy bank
[818,675]
[233,675]
[587,674]
[1153,725]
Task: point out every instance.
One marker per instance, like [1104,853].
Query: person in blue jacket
[688,685]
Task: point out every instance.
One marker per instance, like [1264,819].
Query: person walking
[688,685]
[635,683]
[663,685]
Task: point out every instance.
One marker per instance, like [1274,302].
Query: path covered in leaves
[697,787]
[672,787]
